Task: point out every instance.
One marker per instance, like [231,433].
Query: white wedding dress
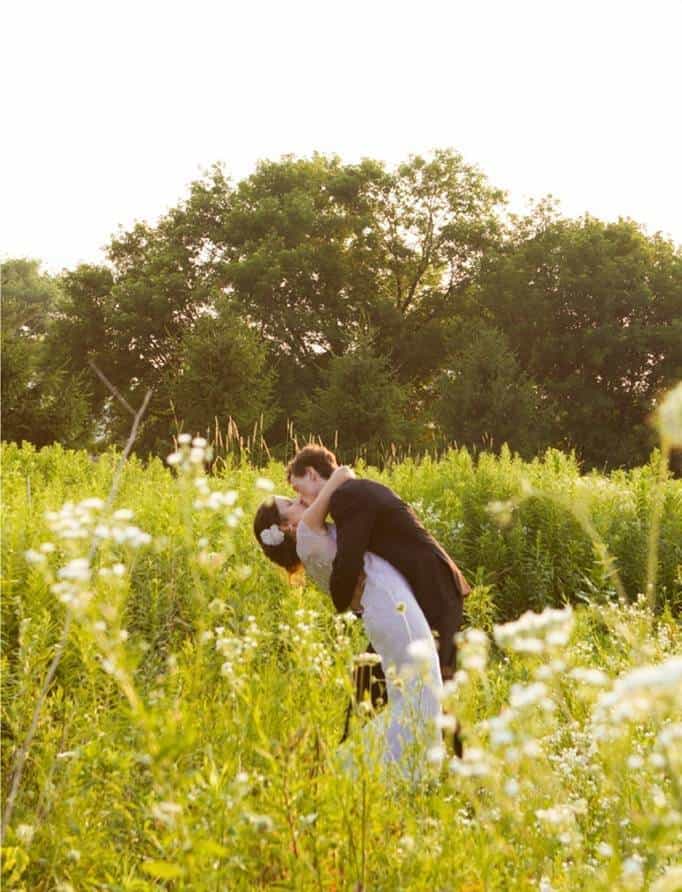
[393,620]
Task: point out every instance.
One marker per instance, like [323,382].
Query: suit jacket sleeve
[354,516]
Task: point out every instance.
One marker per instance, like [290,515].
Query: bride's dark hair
[283,554]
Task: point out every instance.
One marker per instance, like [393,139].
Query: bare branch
[113,390]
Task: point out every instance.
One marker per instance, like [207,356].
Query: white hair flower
[272,536]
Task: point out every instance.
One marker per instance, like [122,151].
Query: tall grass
[189,739]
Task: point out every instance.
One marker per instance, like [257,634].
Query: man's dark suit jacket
[370,517]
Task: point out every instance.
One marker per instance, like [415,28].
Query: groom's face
[308,485]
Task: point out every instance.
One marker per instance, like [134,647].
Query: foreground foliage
[189,737]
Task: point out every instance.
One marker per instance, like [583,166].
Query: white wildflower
[534,632]
[446,722]
[670,881]
[420,650]
[366,659]
[474,763]
[123,514]
[25,833]
[632,872]
[532,749]
[593,677]
[501,512]
[93,504]
[261,823]
[196,455]
[436,754]
[167,812]
[473,653]
[78,569]
[527,695]
[638,693]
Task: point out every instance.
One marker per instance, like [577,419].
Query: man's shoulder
[361,490]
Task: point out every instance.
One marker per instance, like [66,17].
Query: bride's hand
[343,473]
[317,510]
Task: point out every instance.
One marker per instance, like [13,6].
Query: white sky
[110,109]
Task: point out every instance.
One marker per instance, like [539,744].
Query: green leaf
[209,847]
[162,869]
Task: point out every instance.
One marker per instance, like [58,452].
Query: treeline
[375,308]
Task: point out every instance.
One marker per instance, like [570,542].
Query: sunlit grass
[190,737]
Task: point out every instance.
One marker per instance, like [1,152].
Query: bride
[291,534]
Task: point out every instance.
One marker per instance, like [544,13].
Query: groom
[370,517]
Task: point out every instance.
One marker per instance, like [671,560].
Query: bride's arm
[314,515]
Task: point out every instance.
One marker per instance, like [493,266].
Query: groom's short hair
[312,456]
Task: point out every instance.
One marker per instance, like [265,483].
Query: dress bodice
[317,552]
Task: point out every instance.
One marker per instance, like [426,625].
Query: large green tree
[311,271]
[223,377]
[593,313]
[311,253]
[42,401]
[358,406]
[320,254]
[484,398]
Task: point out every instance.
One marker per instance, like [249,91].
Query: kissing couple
[377,559]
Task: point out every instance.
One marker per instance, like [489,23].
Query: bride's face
[290,511]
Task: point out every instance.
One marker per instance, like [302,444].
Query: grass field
[187,739]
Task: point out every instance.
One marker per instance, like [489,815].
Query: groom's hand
[355,604]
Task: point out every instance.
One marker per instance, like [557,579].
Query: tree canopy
[367,304]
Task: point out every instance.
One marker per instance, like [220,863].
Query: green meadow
[172,704]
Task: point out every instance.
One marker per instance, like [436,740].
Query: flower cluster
[501,512]
[366,659]
[312,654]
[475,763]
[638,695]
[473,649]
[85,522]
[560,820]
[191,455]
[536,633]
[238,651]
[213,500]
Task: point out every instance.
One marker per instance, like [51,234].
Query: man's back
[370,517]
